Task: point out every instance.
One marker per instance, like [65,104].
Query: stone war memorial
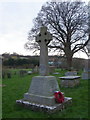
[43,89]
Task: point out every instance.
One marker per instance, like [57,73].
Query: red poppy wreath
[59,96]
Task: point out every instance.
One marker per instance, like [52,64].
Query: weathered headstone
[35,69]
[22,72]
[51,69]
[3,75]
[86,72]
[8,75]
[42,88]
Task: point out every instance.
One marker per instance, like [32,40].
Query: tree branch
[76,49]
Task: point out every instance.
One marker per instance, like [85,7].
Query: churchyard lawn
[17,85]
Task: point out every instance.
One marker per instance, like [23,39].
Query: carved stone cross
[43,39]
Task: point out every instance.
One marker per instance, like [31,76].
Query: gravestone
[51,69]
[35,69]
[86,72]
[3,75]
[22,72]
[8,75]
[41,92]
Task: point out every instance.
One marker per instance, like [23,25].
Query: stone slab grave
[56,73]
[29,72]
[40,95]
[69,81]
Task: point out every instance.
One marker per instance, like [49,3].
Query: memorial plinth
[42,90]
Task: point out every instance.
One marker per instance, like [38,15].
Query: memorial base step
[45,108]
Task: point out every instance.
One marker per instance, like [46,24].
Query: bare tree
[68,23]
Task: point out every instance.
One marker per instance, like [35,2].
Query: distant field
[16,86]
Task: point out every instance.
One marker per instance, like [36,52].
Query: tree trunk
[69,61]
[69,56]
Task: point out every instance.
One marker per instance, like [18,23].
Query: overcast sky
[16,19]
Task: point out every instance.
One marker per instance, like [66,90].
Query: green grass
[17,86]
[0,98]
